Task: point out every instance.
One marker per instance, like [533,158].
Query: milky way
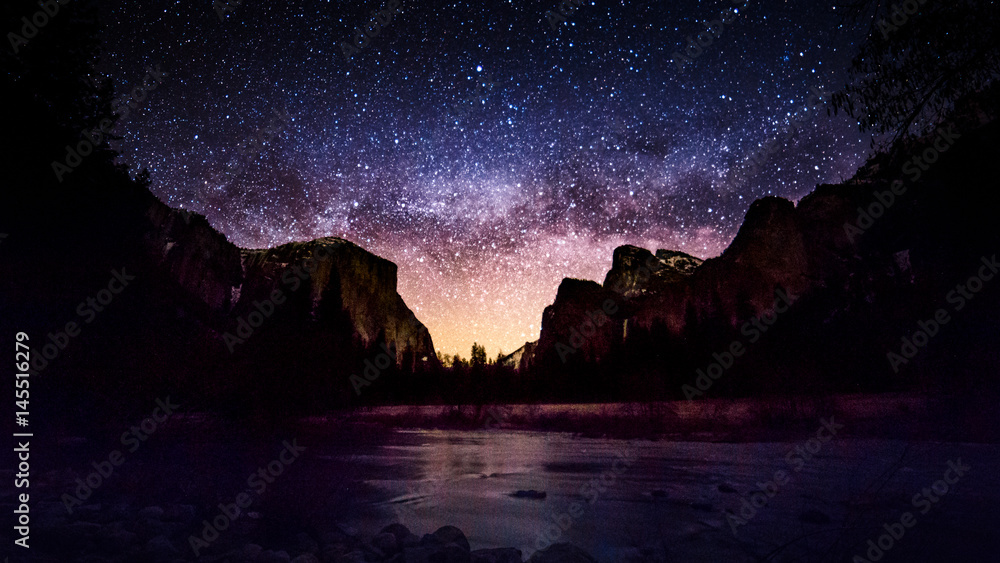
[485,152]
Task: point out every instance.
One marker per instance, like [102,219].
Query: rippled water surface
[672,495]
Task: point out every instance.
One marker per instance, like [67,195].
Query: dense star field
[487,149]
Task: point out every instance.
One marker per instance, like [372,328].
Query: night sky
[577,140]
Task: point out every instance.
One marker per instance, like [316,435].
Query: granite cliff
[349,287]
[821,290]
[200,316]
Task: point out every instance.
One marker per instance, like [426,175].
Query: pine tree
[917,60]
[478,358]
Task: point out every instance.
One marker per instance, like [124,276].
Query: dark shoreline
[904,416]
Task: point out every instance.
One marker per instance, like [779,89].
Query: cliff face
[193,254]
[768,253]
[635,271]
[335,287]
[781,249]
[520,359]
[861,264]
[583,324]
[334,284]
[202,317]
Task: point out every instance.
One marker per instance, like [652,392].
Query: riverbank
[886,416]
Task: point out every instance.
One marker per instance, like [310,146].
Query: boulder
[447,553]
[561,553]
[252,551]
[501,555]
[419,554]
[453,553]
[451,534]
[386,543]
[404,537]
[274,557]
[351,557]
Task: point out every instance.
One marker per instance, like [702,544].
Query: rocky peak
[194,255]
[337,287]
[678,261]
[768,229]
[337,281]
[520,359]
[635,270]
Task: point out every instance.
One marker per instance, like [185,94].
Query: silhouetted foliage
[911,69]
[478,357]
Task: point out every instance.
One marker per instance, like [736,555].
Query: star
[485,153]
